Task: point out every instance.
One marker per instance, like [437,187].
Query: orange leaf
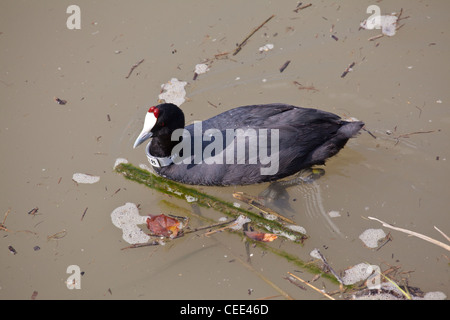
[163,225]
[260,236]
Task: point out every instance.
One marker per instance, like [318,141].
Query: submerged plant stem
[202,199]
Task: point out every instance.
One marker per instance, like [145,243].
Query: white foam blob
[119,161]
[201,68]
[266,47]
[315,254]
[334,214]
[127,218]
[85,178]
[387,24]
[370,237]
[173,92]
[357,273]
[240,221]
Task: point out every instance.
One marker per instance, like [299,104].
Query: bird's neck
[161,146]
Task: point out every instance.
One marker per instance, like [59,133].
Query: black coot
[245,145]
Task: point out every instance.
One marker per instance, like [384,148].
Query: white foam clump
[387,24]
[201,68]
[266,47]
[173,92]
[85,178]
[436,295]
[190,198]
[119,161]
[315,254]
[127,218]
[370,237]
[357,273]
[334,214]
[240,221]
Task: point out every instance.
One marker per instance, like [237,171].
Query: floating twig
[415,234]
[346,71]
[134,67]
[60,101]
[338,278]
[300,7]
[82,216]
[33,211]
[311,286]
[211,104]
[58,235]
[302,87]
[2,225]
[243,43]
[12,250]
[285,65]
[445,236]
[388,238]
[370,133]
[253,201]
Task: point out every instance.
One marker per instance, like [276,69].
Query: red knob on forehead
[154,110]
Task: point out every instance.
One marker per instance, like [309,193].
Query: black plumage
[306,137]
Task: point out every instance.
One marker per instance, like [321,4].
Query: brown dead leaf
[162,225]
[261,236]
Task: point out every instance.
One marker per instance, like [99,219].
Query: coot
[244,145]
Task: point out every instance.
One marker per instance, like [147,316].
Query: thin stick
[2,225]
[220,229]
[212,226]
[239,47]
[334,273]
[134,67]
[311,286]
[85,210]
[284,66]
[302,7]
[346,71]
[412,233]
[251,200]
[445,236]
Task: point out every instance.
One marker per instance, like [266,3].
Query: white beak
[149,123]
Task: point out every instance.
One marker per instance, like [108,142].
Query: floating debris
[134,66]
[200,69]
[173,92]
[127,218]
[57,236]
[261,236]
[12,250]
[85,178]
[285,65]
[34,295]
[190,198]
[240,45]
[119,161]
[239,223]
[60,101]
[334,214]
[371,237]
[33,211]
[387,24]
[162,225]
[357,273]
[266,47]
[349,69]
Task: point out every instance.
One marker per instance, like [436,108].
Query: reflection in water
[314,205]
